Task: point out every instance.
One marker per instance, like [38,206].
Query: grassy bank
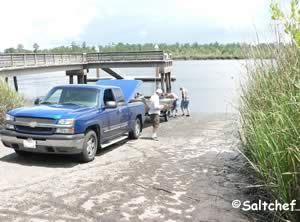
[9,99]
[208,57]
[270,114]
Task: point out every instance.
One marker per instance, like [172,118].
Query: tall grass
[9,99]
[270,116]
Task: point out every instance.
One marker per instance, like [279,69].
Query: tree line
[178,50]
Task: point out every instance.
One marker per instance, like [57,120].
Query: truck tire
[137,129]
[90,146]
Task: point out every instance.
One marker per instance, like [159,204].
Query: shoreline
[184,58]
[179,58]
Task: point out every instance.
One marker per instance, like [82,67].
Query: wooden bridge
[80,64]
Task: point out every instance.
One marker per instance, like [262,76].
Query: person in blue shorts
[184,102]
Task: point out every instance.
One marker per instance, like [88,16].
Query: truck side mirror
[111,104]
[37,101]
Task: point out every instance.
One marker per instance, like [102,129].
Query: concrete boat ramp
[190,174]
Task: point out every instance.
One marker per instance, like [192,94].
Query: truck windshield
[72,96]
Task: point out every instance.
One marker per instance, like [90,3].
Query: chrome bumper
[69,144]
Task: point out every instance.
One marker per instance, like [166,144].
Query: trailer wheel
[90,146]
[166,116]
[137,129]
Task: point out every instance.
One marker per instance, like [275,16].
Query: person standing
[174,104]
[154,112]
[184,101]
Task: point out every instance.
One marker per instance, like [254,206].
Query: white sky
[57,22]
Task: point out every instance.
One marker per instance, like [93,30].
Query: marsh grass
[270,117]
[9,99]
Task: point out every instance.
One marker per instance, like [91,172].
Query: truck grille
[34,130]
[38,120]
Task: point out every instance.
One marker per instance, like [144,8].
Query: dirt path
[183,177]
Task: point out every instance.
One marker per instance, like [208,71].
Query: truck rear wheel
[90,146]
[137,129]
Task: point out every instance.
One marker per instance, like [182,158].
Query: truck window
[84,97]
[119,96]
[72,96]
[55,97]
[108,96]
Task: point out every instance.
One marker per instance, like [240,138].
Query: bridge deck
[49,62]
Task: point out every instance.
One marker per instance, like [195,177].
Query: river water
[213,85]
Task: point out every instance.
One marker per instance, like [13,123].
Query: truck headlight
[9,117]
[66,122]
[9,126]
[69,129]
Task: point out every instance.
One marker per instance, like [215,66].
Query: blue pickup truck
[76,119]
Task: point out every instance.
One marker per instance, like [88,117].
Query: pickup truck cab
[76,119]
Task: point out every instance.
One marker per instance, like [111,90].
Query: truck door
[111,127]
[122,109]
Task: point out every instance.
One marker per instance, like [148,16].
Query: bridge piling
[98,72]
[71,79]
[162,81]
[16,83]
[157,76]
[168,82]
[80,76]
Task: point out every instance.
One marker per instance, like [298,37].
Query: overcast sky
[57,22]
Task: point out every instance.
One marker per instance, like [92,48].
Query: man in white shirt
[154,112]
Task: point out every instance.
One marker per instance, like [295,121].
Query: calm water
[213,85]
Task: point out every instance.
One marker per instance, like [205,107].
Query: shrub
[270,116]
[9,99]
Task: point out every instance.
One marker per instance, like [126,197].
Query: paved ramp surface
[185,176]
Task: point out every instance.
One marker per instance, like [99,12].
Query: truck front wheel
[137,129]
[90,146]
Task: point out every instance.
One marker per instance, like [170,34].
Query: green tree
[10,50]
[93,49]
[291,21]
[84,45]
[20,48]
[74,47]
[35,47]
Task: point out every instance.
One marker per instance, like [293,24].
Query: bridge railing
[32,60]
[29,60]
[126,56]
